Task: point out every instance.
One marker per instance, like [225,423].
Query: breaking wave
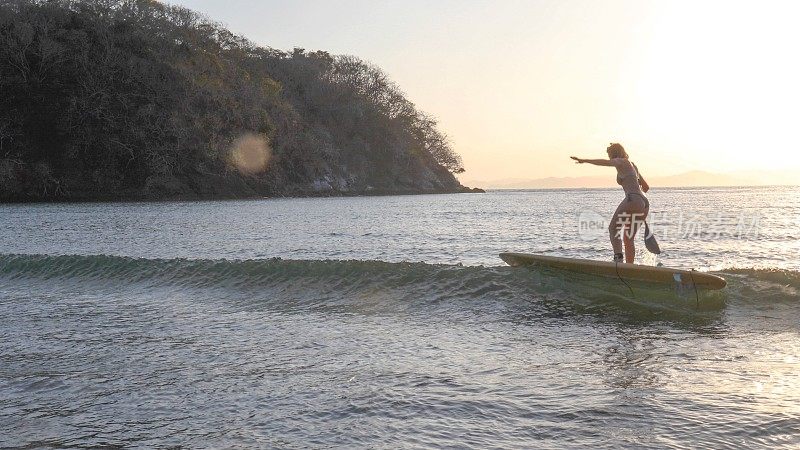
[381,284]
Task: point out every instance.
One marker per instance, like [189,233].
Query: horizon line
[598,188]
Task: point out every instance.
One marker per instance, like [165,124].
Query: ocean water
[388,322]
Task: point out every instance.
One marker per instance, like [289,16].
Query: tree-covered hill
[135,99]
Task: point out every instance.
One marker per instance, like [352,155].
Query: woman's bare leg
[624,224]
[616,228]
[637,219]
[627,238]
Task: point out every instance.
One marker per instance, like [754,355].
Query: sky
[519,86]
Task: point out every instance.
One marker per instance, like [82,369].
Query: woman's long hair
[616,150]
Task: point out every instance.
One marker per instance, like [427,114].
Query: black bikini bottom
[629,197]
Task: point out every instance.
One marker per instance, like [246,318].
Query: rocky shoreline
[189,195]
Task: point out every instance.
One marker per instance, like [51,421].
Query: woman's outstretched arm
[596,162]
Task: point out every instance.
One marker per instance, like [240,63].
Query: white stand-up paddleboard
[636,272]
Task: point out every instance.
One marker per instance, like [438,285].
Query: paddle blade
[650,241]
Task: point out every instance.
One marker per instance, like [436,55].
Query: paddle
[650,240]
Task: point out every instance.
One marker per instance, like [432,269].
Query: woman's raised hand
[577,160]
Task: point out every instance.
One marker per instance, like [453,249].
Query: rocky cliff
[135,99]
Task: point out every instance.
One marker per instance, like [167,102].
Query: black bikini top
[635,172]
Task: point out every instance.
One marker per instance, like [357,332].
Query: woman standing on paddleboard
[632,212]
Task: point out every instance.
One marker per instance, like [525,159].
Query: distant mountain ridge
[686,179]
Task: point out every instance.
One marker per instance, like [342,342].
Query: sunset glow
[519,86]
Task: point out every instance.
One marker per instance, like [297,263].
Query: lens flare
[250,153]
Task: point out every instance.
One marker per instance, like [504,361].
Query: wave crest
[347,281]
